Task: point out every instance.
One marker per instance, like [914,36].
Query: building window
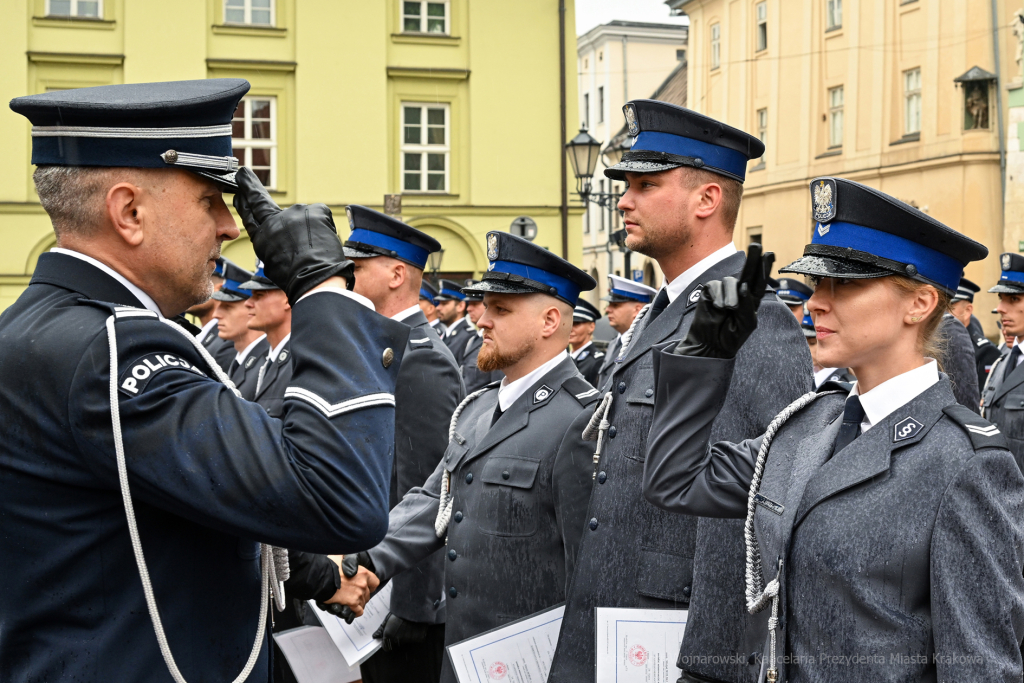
[762,126]
[586,110]
[716,46]
[835,117]
[600,104]
[603,212]
[87,9]
[762,26]
[424,17]
[425,147]
[254,137]
[254,12]
[833,14]
[912,101]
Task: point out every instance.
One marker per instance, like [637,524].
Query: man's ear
[552,317]
[399,274]
[709,201]
[125,213]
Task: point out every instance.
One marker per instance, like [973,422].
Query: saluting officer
[962,308]
[125,415]
[884,529]
[250,345]
[684,174]
[472,375]
[507,503]
[451,308]
[428,304]
[1003,399]
[581,342]
[221,349]
[794,294]
[271,314]
[389,260]
[625,300]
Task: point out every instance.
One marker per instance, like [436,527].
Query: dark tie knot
[854,411]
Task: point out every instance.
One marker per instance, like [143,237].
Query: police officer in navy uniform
[1003,399]
[587,357]
[962,308]
[507,503]
[221,349]
[794,294]
[389,260]
[626,299]
[428,304]
[451,308]
[250,345]
[634,554]
[472,375]
[884,524]
[121,404]
[271,314]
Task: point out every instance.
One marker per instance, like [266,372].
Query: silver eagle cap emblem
[824,201]
[492,247]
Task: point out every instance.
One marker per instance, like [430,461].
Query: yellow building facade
[866,90]
[453,105]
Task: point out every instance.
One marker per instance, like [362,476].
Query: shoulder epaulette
[119,311]
[421,343]
[835,385]
[983,434]
[581,390]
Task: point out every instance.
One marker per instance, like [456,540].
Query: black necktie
[1011,362]
[497,414]
[850,429]
[659,305]
[232,367]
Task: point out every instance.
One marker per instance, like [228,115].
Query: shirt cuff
[359,298]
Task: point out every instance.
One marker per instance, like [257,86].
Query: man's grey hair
[74,196]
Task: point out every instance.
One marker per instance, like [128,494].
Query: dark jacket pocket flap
[507,470]
[1013,401]
[639,391]
[454,454]
[664,576]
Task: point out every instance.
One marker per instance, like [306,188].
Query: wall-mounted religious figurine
[976,84]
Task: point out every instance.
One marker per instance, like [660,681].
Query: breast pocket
[1013,425]
[508,504]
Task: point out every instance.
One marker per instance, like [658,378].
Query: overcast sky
[591,13]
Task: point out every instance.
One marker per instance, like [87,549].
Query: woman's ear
[923,301]
[125,213]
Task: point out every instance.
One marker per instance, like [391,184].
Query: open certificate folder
[638,645]
[519,652]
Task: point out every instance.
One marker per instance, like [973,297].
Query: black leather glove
[349,567]
[299,246]
[726,314]
[396,632]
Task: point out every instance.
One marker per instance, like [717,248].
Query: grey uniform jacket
[641,556]
[1003,404]
[428,390]
[520,491]
[456,337]
[222,350]
[272,381]
[589,362]
[474,377]
[959,363]
[903,551]
[247,374]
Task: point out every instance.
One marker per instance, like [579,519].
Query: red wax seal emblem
[497,671]
[637,655]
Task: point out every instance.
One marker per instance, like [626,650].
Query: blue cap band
[566,288]
[933,265]
[807,322]
[233,287]
[424,294]
[218,270]
[793,292]
[1012,276]
[642,298]
[453,293]
[714,157]
[404,250]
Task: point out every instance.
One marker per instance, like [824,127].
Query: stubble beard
[201,280]
[492,358]
[657,243]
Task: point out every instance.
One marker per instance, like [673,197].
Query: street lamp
[434,261]
[583,152]
[613,152]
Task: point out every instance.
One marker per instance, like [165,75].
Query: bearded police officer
[389,260]
[625,300]
[250,345]
[474,377]
[508,501]
[124,416]
[1003,400]
[451,308]
[962,308]
[588,358]
[684,175]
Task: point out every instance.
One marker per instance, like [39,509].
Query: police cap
[966,290]
[259,280]
[451,290]
[585,312]
[792,291]
[428,292]
[472,294]
[1011,280]
[378,234]
[621,290]
[232,290]
[807,327]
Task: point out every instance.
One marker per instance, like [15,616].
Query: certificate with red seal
[518,652]
[638,645]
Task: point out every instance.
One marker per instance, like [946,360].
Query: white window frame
[600,104]
[424,18]
[248,14]
[716,45]
[423,149]
[833,14]
[249,143]
[762,127]
[74,10]
[761,26]
[912,101]
[586,110]
[835,116]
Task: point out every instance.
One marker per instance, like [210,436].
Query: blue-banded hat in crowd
[621,290]
[428,292]
[585,312]
[451,290]
[518,266]
[178,124]
[378,234]
[234,277]
[966,290]
[669,136]
[218,269]
[472,294]
[1011,279]
[259,280]
[792,291]
[807,327]
[860,233]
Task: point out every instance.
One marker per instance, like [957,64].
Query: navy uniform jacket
[474,377]
[520,490]
[903,551]
[222,350]
[1003,404]
[428,391]
[959,363]
[455,338]
[641,556]
[589,363]
[211,475]
[273,380]
[246,375]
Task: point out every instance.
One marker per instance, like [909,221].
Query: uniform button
[452,555]
[505,475]
[452,593]
[687,590]
[649,393]
[458,516]
[469,478]
[622,387]
[602,477]
[593,524]
[437,603]
[612,431]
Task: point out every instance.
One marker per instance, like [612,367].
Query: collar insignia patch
[542,394]
[695,294]
[249,362]
[282,357]
[906,428]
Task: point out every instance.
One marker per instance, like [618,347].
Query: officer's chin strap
[444,510]
[597,427]
[268,555]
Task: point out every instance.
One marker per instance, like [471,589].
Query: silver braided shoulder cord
[444,510]
[596,428]
[266,559]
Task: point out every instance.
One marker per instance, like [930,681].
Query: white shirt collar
[143,298]
[576,354]
[277,349]
[241,355]
[821,375]
[212,325]
[454,327]
[683,282]
[896,392]
[358,298]
[435,322]
[402,315]
[509,392]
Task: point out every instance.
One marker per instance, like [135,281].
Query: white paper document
[313,657]
[638,645]
[355,641]
[519,652]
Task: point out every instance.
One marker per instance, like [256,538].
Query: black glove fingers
[262,206]
[730,293]
[752,269]
[713,293]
